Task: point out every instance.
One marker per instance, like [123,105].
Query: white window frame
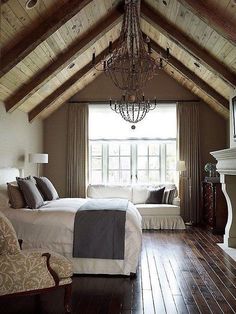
[133,159]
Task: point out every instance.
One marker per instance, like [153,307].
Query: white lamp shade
[38,158]
[180,165]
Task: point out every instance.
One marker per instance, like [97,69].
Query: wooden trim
[51,271]
[212,16]
[193,77]
[67,294]
[33,292]
[159,101]
[34,113]
[67,299]
[40,33]
[88,39]
[177,36]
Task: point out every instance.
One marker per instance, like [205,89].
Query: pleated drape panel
[77,150]
[189,150]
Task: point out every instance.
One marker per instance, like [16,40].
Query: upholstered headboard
[9,174]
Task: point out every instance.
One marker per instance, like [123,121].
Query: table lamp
[38,159]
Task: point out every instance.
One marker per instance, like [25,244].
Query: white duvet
[51,227]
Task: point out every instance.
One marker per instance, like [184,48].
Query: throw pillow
[31,194]
[155,196]
[47,189]
[26,178]
[168,196]
[16,197]
[4,198]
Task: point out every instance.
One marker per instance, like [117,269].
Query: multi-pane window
[133,161]
[146,155]
[119,162]
[96,163]
[148,162]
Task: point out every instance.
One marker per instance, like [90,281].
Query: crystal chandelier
[130,65]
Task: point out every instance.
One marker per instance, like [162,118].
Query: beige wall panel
[18,138]
[213,134]
[55,139]
[231,136]
[161,86]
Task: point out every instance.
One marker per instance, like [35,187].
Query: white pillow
[140,194]
[109,191]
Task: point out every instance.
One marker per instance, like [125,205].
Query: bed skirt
[163,222]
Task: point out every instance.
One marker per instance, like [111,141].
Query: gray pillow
[155,196]
[26,178]
[168,196]
[47,189]
[16,197]
[31,194]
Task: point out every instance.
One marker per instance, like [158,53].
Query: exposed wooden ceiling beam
[212,16]
[40,33]
[82,44]
[192,76]
[177,36]
[34,113]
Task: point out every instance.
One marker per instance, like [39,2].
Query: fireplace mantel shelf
[226,161]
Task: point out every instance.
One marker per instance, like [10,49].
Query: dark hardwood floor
[179,272]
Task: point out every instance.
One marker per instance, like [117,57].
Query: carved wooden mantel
[226,166]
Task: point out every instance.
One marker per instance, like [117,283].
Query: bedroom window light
[118,155]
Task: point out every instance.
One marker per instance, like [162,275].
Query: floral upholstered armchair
[30,271]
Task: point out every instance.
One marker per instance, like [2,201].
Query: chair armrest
[51,271]
[176,201]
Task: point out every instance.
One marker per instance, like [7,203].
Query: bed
[52,226]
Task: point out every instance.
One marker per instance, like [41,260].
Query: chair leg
[67,298]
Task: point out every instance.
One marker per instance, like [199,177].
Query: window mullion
[119,165]
[163,162]
[133,160]
[105,161]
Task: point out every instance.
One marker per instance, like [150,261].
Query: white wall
[18,138]
[232,141]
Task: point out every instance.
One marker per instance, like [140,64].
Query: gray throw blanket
[99,229]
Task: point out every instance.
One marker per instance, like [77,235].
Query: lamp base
[189,223]
[38,170]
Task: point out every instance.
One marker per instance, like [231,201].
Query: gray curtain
[189,151]
[77,150]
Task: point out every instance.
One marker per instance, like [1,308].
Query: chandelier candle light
[130,66]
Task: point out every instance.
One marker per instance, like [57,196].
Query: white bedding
[51,227]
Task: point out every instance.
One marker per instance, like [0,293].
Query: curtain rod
[102,102]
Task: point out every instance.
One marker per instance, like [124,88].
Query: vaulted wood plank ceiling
[47,49]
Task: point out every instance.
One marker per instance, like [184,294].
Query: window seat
[154,216]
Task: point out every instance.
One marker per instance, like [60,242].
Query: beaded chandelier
[130,65]
[132,107]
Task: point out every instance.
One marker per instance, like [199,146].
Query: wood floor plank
[179,272]
[222,258]
[187,263]
[227,282]
[191,283]
[164,283]
[186,293]
[155,283]
[222,294]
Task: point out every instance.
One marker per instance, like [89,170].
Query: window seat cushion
[158,209]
